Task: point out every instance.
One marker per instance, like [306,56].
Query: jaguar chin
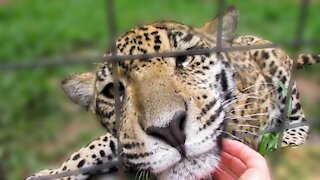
[197,167]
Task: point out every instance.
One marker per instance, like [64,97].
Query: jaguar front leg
[99,151]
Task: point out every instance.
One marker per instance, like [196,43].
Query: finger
[222,173]
[254,174]
[235,165]
[248,156]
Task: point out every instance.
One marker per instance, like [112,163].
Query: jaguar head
[172,108]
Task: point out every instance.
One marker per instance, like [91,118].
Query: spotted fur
[175,110]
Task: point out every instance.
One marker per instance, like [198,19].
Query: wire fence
[296,45]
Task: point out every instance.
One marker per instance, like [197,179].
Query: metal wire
[221,4]
[274,129]
[43,63]
[115,77]
[94,168]
[107,165]
[296,48]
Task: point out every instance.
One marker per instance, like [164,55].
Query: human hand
[239,161]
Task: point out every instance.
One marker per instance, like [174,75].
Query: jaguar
[176,110]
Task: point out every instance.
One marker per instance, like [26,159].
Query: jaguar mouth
[196,159]
[182,151]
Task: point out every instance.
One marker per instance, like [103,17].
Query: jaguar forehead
[157,37]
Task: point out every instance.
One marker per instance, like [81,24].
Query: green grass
[33,108]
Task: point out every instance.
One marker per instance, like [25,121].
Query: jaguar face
[172,108]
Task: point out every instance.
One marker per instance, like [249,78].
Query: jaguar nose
[173,133]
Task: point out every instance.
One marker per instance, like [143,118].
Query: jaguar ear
[229,25]
[80,88]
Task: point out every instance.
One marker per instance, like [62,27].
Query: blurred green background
[39,126]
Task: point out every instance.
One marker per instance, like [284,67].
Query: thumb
[254,174]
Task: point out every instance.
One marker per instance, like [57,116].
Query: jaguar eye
[108,90]
[180,61]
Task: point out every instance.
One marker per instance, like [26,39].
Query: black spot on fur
[157,39]
[265,55]
[224,81]
[173,36]
[81,163]
[132,49]
[199,72]
[264,65]
[143,28]
[228,96]
[142,50]
[113,147]
[205,67]
[75,157]
[294,91]
[218,77]
[283,79]
[102,153]
[154,32]
[146,36]
[128,146]
[161,27]
[305,59]
[303,130]
[235,120]
[92,146]
[105,139]
[272,64]
[156,47]
[296,108]
[279,89]
[137,155]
